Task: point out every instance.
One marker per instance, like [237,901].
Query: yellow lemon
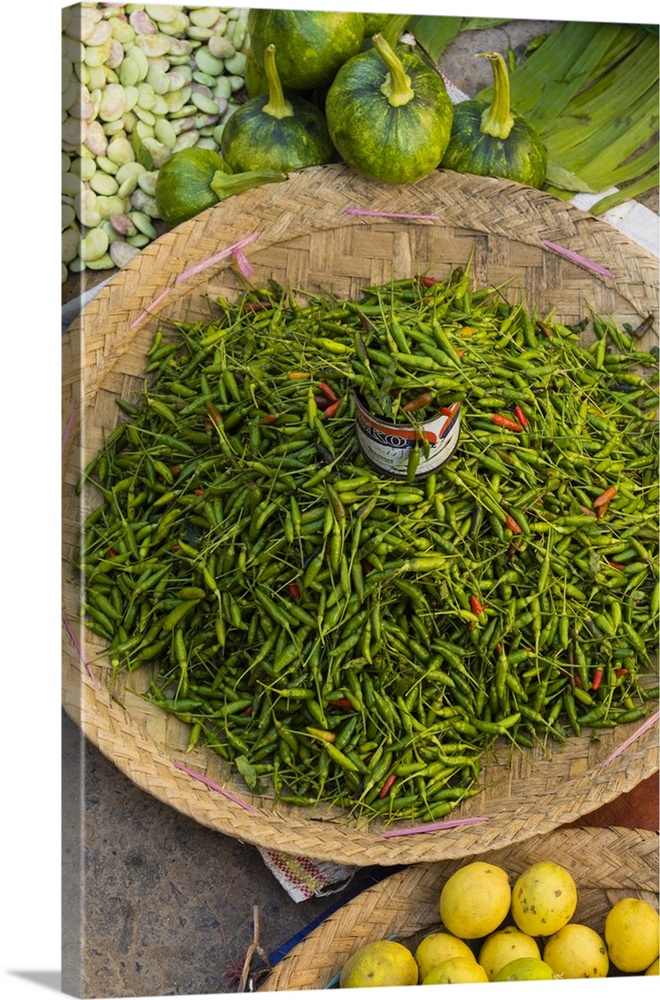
[456,970]
[631,934]
[576,951]
[436,948]
[543,899]
[523,969]
[652,969]
[380,963]
[475,900]
[503,946]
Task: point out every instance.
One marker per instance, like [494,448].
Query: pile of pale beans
[140,81]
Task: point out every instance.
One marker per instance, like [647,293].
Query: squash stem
[497,119]
[394,28]
[277,106]
[396,88]
[225,185]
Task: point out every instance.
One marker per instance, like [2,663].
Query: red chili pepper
[111,553]
[522,419]
[342,703]
[476,605]
[293,589]
[256,306]
[598,676]
[512,524]
[617,565]
[605,497]
[175,470]
[387,784]
[418,402]
[248,710]
[427,281]
[327,391]
[213,412]
[198,493]
[506,422]
[269,418]
[332,409]
[577,681]
[621,672]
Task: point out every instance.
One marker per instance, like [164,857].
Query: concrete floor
[152,903]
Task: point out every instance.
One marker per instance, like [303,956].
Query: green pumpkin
[389,114]
[275,132]
[491,140]
[311,45]
[195,179]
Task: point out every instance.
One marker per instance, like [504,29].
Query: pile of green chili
[342,637]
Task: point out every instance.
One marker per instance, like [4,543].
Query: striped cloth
[303,878]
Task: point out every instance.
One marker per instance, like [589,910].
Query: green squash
[311,45]
[389,114]
[194,179]
[491,140]
[275,132]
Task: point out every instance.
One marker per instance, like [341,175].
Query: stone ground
[154,904]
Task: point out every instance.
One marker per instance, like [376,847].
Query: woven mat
[303,234]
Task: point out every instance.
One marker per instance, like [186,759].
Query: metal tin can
[387,445]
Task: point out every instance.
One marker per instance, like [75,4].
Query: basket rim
[110,725]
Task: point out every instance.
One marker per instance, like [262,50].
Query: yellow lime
[524,969]
[475,900]
[652,969]
[456,970]
[576,951]
[380,963]
[632,934]
[503,946]
[436,948]
[543,899]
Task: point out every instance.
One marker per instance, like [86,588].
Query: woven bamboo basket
[607,864]
[305,236]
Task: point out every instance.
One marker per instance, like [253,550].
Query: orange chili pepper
[476,605]
[605,497]
[327,391]
[332,409]
[520,414]
[506,422]
[418,402]
[513,525]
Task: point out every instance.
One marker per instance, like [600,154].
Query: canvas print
[360,584]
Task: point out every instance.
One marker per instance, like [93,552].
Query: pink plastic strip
[631,739]
[243,264]
[233,249]
[446,824]
[578,259]
[216,788]
[79,649]
[152,305]
[390,215]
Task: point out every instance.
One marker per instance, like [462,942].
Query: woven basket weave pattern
[306,240]
[606,864]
